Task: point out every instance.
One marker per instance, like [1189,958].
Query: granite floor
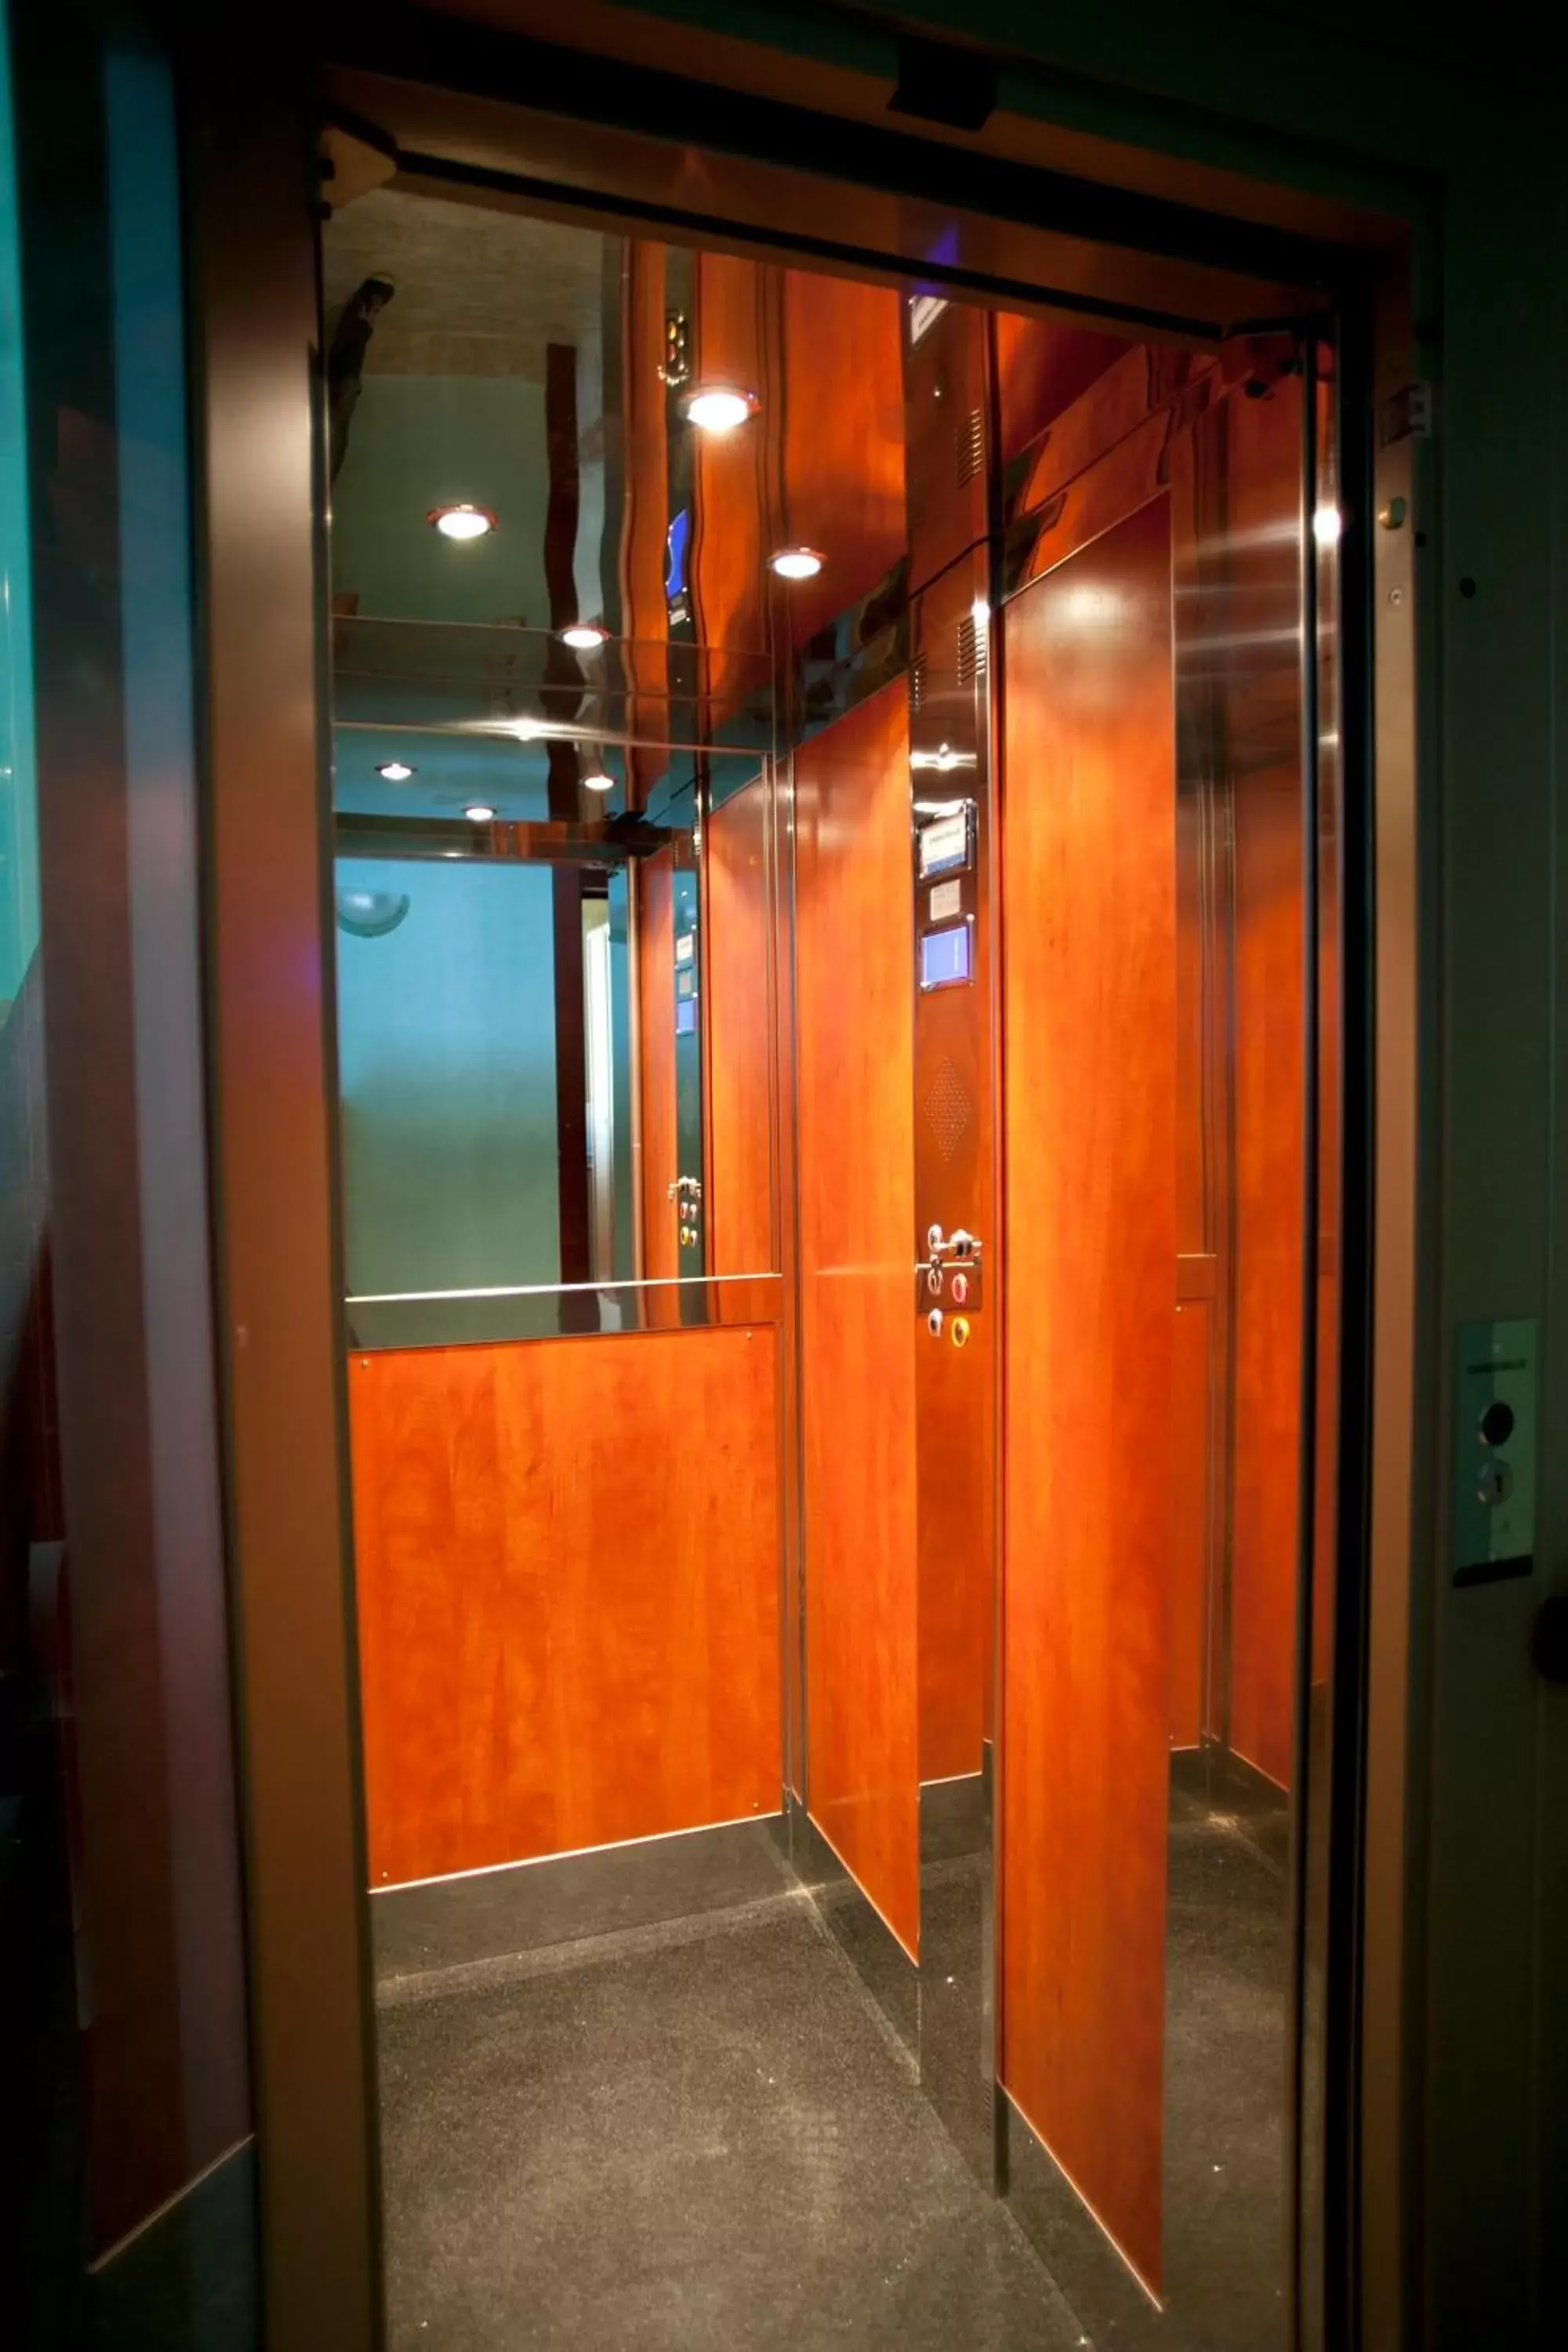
[698,2132]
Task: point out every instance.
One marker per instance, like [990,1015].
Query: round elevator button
[1497,1422]
[961,1331]
[935,1322]
[960,1288]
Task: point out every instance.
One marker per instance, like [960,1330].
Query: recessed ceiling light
[396,771]
[481,813]
[795,563]
[599,779]
[462,519]
[584,637]
[719,407]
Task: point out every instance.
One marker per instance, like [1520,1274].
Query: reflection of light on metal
[944,758]
[584,637]
[795,563]
[719,407]
[370,914]
[980,613]
[481,812]
[396,771]
[599,779]
[463,520]
[1327,525]
[925,309]
[940,808]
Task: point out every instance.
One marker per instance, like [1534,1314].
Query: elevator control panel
[686,1193]
[1494,1450]
[950,1276]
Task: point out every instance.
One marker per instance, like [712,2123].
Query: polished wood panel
[853,958]
[645,513]
[1269,1074]
[656,1068]
[567,1558]
[843,441]
[737,490]
[1260,685]
[1192,1496]
[736,975]
[1089,813]
[1042,368]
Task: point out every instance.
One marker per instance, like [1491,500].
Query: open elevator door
[1167,1091]
[1121,2200]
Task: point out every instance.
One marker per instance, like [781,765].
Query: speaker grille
[948,1109]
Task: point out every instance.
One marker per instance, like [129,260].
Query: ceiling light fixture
[584,637]
[795,563]
[481,813]
[599,779]
[718,407]
[396,771]
[463,520]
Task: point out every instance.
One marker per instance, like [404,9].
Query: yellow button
[961,1331]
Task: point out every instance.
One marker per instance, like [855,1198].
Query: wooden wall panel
[1269,1072]
[655,1069]
[1188,1623]
[739,1012]
[645,614]
[568,1571]
[1041,369]
[1089,814]
[1262,447]
[844,440]
[854,957]
[735,498]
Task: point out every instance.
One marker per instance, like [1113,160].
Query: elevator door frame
[305,1863]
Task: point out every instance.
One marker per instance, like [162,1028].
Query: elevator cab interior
[835,834]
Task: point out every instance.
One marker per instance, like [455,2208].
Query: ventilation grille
[970,447]
[972,650]
[948,1109]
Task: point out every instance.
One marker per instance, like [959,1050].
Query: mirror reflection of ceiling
[480,293]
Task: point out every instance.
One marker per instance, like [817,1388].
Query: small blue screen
[944,956]
[686,1017]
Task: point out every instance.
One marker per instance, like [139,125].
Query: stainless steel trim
[553,1289]
[569,1853]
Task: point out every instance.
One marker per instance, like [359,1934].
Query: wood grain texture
[1188,1625]
[853,950]
[1261,689]
[645,517]
[739,1015]
[656,1072]
[1269,1076]
[843,441]
[1041,369]
[569,1610]
[736,497]
[1088,813]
